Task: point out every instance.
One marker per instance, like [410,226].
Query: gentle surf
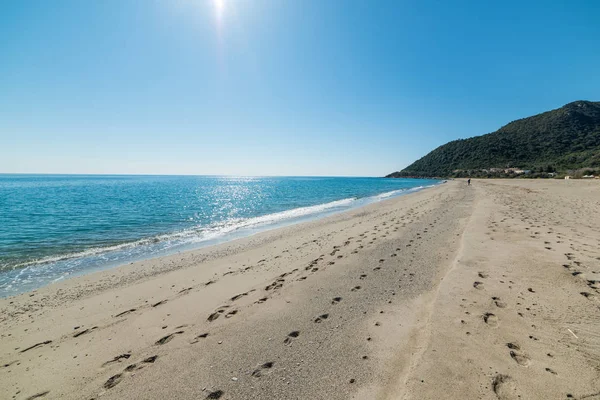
[56,226]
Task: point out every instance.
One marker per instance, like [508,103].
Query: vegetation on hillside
[557,141]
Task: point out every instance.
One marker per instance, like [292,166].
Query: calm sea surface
[56,226]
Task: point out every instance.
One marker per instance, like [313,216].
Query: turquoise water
[56,226]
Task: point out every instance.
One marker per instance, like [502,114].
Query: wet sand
[483,292]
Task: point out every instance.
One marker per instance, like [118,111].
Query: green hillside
[567,138]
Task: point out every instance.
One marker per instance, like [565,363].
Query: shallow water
[56,226]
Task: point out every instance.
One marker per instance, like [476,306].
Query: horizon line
[205,175]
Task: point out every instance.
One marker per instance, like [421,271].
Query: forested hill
[559,140]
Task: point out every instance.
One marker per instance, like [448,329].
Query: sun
[219,8]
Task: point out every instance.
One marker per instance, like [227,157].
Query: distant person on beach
[469,182]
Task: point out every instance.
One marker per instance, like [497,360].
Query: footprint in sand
[113,381]
[258,371]
[125,312]
[355,288]
[117,359]
[38,395]
[150,360]
[36,345]
[513,346]
[275,285]
[336,300]
[130,367]
[292,335]
[504,387]
[197,338]
[520,359]
[321,318]
[490,319]
[84,331]
[478,285]
[263,299]
[168,338]
[239,296]
[213,316]
[589,296]
[499,303]
[217,394]
[482,275]
[217,313]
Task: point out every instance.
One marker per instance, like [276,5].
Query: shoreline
[250,227]
[404,294]
[131,272]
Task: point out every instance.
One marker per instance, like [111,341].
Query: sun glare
[219,8]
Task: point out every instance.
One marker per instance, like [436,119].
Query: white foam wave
[201,234]
[294,213]
[389,194]
[198,234]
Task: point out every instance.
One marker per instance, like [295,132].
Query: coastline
[404,294]
[129,273]
[37,273]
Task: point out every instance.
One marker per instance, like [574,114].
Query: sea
[53,227]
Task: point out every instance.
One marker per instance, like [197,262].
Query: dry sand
[484,292]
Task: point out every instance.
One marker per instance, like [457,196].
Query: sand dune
[482,292]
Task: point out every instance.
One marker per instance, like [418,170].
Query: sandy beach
[488,291]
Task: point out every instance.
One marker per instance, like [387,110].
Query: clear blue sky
[277,87]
